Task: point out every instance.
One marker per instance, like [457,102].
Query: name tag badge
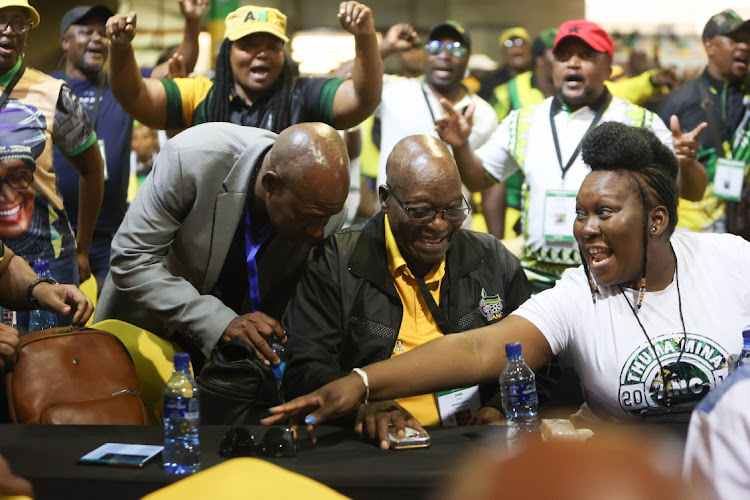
[104,158]
[559,213]
[458,406]
[728,179]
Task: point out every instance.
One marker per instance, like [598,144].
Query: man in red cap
[543,141]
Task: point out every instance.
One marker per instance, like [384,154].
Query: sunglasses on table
[240,442]
[456,49]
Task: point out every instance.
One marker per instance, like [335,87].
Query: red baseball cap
[589,32]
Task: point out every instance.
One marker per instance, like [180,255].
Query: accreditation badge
[728,179]
[104,158]
[458,406]
[559,214]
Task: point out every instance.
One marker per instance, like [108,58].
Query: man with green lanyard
[543,142]
[718,97]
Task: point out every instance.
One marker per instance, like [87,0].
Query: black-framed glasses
[456,49]
[18,180]
[514,41]
[240,442]
[19,24]
[424,215]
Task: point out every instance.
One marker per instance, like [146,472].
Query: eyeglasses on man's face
[424,215]
[456,49]
[240,442]
[18,180]
[19,24]
[514,41]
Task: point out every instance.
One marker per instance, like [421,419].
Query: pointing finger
[674,125]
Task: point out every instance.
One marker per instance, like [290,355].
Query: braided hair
[636,152]
[275,100]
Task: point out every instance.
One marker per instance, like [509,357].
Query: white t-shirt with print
[605,345]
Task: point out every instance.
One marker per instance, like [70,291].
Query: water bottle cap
[746,333]
[513,350]
[181,360]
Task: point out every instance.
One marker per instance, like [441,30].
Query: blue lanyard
[252,246]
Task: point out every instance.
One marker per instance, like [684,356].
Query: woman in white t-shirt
[649,321]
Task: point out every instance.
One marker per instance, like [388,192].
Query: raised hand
[685,144]
[121,28]
[258,330]
[453,127]
[193,9]
[356,18]
[399,38]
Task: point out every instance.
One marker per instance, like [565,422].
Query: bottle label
[522,394]
[179,407]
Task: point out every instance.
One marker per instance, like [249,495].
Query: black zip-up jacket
[347,313]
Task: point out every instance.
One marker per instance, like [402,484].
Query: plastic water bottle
[518,388]
[39,319]
[518,391]
[278,369]
[745,354]
[182,448]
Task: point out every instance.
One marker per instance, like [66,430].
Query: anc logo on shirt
[491,307]
[703,364]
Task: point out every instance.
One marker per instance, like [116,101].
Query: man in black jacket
[717,97]
[361,298]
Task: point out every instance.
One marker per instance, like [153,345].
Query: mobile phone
[121,455]
[412,439]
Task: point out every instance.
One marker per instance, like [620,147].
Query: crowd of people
[627,196]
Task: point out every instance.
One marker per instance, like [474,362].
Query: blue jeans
[99,259]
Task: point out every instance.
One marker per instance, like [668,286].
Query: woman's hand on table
[374,419]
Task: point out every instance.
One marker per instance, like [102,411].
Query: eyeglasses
[18,180]
[455,49]
[514,41]
[423,215]
[240,442]
[19,25]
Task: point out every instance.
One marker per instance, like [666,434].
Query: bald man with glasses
[408,275]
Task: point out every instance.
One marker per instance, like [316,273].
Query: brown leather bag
[74,376]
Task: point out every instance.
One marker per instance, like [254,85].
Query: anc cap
[253,19]
[724,23]
[515,32]
[76,14]
[453,28]
[591,33]
[33,14]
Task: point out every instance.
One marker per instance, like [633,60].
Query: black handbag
[235,387]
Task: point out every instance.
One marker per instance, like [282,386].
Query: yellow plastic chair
[90,290]
[153,359]
[242,478]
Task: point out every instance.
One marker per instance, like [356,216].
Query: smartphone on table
[412,439]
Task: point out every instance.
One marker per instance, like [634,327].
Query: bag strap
[437,313]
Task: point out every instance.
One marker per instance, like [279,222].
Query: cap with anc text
[76,15]
[253,19]
[451,28]
[33,14]
[591,33]
[724,23]
[515,32]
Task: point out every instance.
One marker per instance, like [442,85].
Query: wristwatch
[30,291]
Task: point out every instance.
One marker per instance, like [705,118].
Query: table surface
[47,455]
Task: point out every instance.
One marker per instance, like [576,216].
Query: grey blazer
[168,253]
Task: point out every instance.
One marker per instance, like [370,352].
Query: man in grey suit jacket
[213,243]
